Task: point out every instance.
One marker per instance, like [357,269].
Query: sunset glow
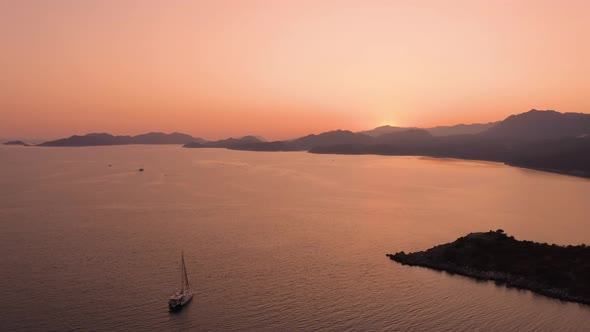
[282,69]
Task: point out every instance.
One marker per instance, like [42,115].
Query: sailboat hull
[185,294]
[177,301]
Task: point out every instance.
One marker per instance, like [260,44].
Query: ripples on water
[273,241]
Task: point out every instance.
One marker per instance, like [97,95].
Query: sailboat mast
[182,271]
[185,274]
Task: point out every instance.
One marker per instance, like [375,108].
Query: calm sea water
[273,241]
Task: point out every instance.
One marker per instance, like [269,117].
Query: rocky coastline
[559,272]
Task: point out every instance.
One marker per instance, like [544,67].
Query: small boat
[185,294]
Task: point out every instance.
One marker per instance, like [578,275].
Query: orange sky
[282,68]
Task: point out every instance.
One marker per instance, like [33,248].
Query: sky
[284,68]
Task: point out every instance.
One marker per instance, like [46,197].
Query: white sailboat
[185,294]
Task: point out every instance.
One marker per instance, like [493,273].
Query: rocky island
[561,272]
[16,143]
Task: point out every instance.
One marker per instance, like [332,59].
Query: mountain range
[460,129]
[98,139]
[225,143]
[16,143]
[258,143]
[546,140]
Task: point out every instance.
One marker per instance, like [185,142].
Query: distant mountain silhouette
[161,138]
[460,129]
[266,146]
[308,142]
[569,155]
[99,139]
[90,140]
[193,145]
[545,140]
[234,141]
[408,136]
[338,137]
[16,143]
[330,138]
[226,143]
[384,130]
[260,138]
[539,125]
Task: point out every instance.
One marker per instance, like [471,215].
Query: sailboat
[185,294]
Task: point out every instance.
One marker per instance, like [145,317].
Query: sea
[273,241]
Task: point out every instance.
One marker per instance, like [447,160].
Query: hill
[408,136]
[102,139]
[460,129]
[330,138]
[161,138]
[16,143]
[540,125]
[384,130]
[226,143]
[557,271]
[542,147]
[544,140]
[265,146]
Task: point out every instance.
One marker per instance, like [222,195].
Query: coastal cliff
[560,272]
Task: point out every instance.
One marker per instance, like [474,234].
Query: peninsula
[560,272]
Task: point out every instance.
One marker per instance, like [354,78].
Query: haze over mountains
[540,125]
[546,140]
[225,143]
[97,139]
[302,143]
[459,129]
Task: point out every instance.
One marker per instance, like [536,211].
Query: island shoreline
[433,259]
[498,278]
